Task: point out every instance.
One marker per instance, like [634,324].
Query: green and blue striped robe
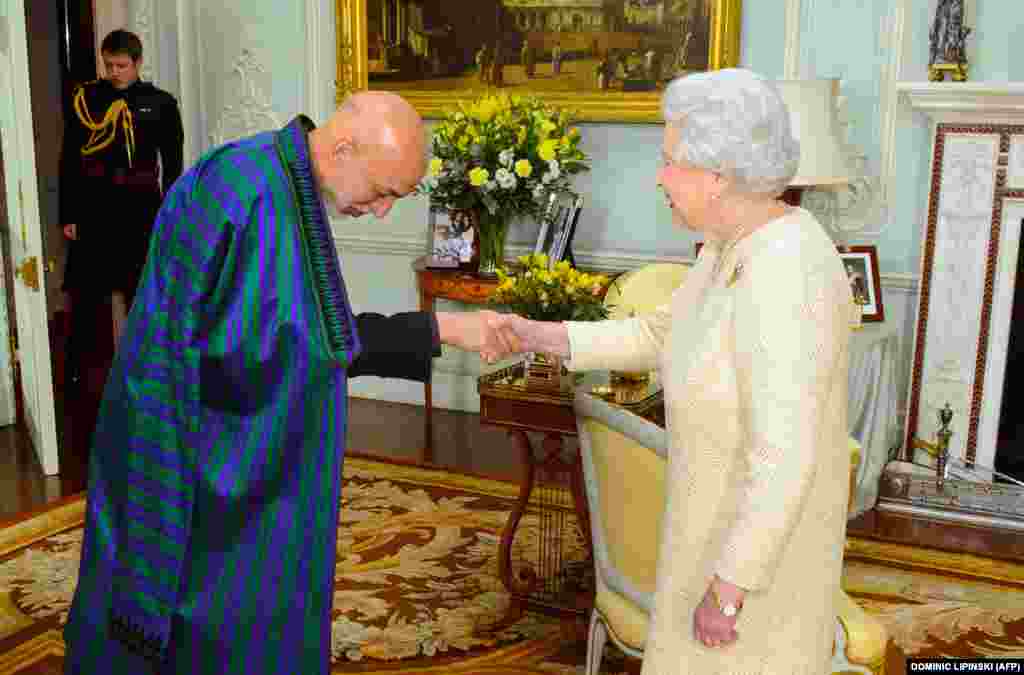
[215,472]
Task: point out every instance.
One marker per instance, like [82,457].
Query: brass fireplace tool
[940,448]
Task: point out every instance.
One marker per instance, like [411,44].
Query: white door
[18,146]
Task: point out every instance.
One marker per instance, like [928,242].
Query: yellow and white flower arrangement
[560,294]
[500,156]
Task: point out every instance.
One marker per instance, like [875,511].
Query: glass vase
[491,229]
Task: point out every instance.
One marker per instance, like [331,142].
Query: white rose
[506,179]
[506,157]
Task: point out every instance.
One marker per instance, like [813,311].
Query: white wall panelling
[143,24]
[108,15]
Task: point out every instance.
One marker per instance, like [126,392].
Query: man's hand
[476,332]
[711,627]
[71,231]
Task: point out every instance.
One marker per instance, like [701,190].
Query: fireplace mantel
[953,102]
[970,244]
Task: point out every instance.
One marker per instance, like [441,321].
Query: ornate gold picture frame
[604,59]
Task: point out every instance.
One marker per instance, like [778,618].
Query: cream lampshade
[812,109]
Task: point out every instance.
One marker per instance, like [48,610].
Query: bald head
[384,119]
[371,152]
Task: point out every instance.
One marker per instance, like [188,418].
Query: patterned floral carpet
[417,588]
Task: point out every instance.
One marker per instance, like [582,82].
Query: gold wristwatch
[728,609]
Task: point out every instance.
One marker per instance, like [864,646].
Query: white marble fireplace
[970,247]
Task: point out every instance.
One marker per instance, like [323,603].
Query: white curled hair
[733,122]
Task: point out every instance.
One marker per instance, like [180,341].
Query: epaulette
[82,85]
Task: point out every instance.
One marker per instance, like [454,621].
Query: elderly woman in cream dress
[753,355]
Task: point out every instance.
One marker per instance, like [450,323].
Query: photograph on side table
[548,224]
[560,247]
[449,240]
[861,263]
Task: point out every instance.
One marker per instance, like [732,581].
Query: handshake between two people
[498,336]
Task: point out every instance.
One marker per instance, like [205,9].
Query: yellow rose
[435,166]
[479,176]
[547,126]
[524,168]
[521,136]
[547,150]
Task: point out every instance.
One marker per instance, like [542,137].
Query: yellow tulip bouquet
[560,294]
[500,156]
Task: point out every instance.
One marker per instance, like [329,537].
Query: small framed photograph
[861,263]
[560,246]
[449,240]
[547,225]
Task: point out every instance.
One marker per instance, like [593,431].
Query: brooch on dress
[737,272]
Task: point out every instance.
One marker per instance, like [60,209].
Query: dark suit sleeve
[402,346]
[172,140]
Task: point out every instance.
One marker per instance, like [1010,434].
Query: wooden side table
[507,403]
[450,285]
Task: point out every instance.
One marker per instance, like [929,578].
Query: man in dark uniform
[111,186]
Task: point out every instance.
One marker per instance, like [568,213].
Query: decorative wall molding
[606,261]
[317,90]
[143,26]
[943,102]
[252,111]
[191,105]
[5,37]
[893,28]
[791,55]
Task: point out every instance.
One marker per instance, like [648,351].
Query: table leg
[526,581]
[427,305]
[428,426]
[517,586]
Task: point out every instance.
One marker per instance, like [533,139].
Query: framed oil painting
[607,60]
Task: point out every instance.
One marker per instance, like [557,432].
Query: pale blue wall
[838,38]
